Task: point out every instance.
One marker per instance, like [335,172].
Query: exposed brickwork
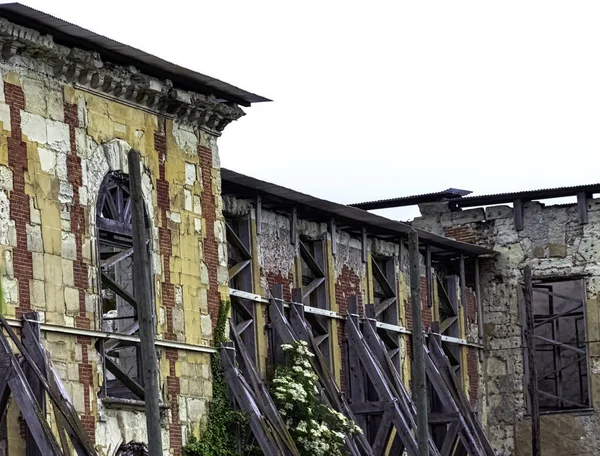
[173,390]
[346,285]
[78,225]
[168,294]
[87,380]
[473,372]
[164,234]
[461,233]
[19,200]
[276,278]
[426,313]
[211,248]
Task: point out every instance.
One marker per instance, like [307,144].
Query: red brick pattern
[78,225]
[19,200]
[461,233]
[209,212]
[168,294]
[86,379]
[276,278]
[473,372]
[164,234]
[347,284]
[426,314]
[80,272]
[173,389]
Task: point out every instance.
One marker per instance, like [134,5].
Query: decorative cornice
[86,69]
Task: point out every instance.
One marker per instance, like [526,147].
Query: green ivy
[219,437]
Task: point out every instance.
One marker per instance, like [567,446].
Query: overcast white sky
[381,99]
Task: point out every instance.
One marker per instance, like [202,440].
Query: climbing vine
[219,437]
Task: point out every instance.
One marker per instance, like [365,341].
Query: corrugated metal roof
[242,185]
[72,35]
[449,193]
[526,195]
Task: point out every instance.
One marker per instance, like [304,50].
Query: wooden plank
[237,268]
[294,226]
[247,403]
[480,325]
[363,243]
[370,407]
[125,379]
[143,291]
[33,416]
[383,434]
[450,438]
[31,339]
[262,396]
[557,295]
[235,241]
[428,276]
[64,406]
[378,274]
[582,208]
[116,258]
[447,323]
[310,260]
[258,215]
[375,374]
[312,286]
[333,233]
[112,226]
[518,214]
[329,389]
[418,340]
[119,291]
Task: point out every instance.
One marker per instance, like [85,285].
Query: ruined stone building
[73,104]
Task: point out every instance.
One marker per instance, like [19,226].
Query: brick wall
[211,253]
[19,200]
[426,313]
[347,284]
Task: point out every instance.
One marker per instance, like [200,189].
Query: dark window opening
[119,315]
[561,345]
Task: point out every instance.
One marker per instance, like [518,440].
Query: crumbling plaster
[555,245]
[104,132]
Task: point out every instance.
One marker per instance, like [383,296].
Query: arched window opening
[122,359]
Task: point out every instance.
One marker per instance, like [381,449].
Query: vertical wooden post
[533,384]
[418,341]
[480,328]
[143,294]
[276,351]
[31,340]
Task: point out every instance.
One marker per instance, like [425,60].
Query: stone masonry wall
[56,145]
[555,245]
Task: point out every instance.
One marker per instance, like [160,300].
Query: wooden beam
[125,379]
[120,292]
[258,215]
[418,340]
[533,383]
[310,260]
[382,280]
[428,276]
[31,339]
[235,241]
[480,325]
[363,244]
[518,214]
[237,268]
[333,233]
[143,292]
[116,258]
[294,226]
[582,208]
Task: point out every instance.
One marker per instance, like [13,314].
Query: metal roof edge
[348,212]
[72,35]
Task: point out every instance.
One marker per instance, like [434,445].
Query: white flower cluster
[317,429]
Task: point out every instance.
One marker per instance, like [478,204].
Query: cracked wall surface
[57,142]
[555,245]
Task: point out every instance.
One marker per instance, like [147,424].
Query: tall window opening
[122,359]
[561,345]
